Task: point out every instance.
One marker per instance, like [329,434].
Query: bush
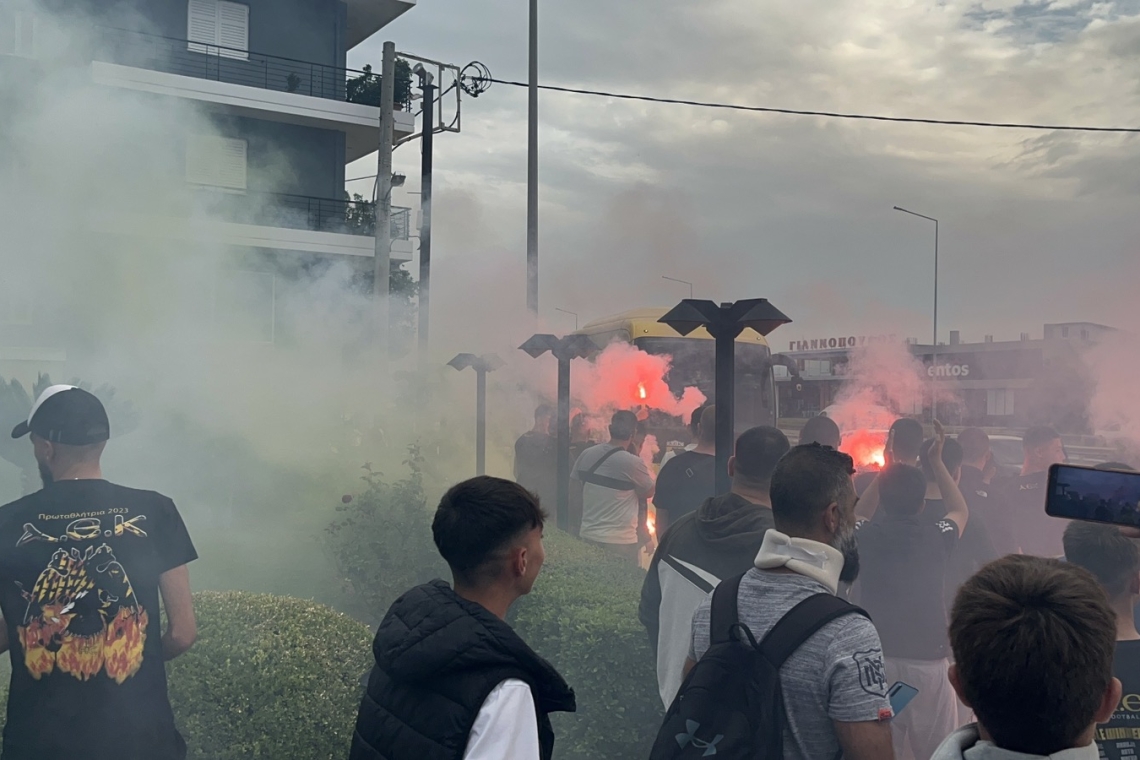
[582,614]
[269,677]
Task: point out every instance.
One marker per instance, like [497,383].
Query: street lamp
[724,323]
[565,350]
[934,357]
[683,282]
[571,313]
[482,365]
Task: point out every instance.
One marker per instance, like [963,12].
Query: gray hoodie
[965,744]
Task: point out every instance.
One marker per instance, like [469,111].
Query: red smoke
[866,447]
[625,377]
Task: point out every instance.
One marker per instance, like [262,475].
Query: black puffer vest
[438,657]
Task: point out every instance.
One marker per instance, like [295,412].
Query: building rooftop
[366,17]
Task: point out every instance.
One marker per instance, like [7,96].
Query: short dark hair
[1036,437]
[975,443]
[757,452]
[623,425]
[695,420]
[477,519]
[902,489]
[1025,629]
[543,410]
[806,481]
[821,430]
[908,436]
[706,431]
[951,457]
[1104,552]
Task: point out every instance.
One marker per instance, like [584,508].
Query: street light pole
[532,168]
[565,350]
[426,145]
[934,356]
[724,323]
[482,365]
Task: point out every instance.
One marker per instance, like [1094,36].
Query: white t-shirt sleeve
[506,727]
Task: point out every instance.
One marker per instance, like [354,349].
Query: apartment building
[263,169]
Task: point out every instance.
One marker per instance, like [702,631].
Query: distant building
[992,384]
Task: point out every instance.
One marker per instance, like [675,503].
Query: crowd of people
[923,613]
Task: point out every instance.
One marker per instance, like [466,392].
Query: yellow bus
[693,364]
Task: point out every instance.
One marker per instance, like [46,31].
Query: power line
[826,114]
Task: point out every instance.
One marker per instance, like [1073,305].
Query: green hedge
[582,616]
[269,677]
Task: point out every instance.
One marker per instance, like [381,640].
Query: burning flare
[641,394]
[867,448]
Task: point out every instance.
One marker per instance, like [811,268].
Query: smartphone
[900,695]
[1085,493]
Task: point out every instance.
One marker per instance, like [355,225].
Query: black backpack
[730,706]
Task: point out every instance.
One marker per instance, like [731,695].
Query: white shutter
[202,25]
[233,30]
[216,161]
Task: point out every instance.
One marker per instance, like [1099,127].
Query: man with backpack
[814,687]
[717,541]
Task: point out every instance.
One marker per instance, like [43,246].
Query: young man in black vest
[452,680]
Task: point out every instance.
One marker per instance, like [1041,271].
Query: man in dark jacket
[701,549]
[452,680]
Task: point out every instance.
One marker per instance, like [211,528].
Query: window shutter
[202,25]
[216,162]
[233,30]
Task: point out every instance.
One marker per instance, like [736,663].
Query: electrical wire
[825,114]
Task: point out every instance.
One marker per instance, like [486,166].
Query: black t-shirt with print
[80,563]
[684,483]
[1119,739]
[903,561]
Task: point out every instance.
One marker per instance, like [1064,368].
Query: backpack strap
[801,622]
[724,614]
[614,484]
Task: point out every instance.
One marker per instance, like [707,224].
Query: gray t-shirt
[609,516]
[837,674]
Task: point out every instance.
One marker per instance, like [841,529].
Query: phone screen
[900,695]
[1083,493]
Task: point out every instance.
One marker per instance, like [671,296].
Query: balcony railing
[243,67]
[301,212]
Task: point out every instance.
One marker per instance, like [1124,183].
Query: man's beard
[45,474]
[847,543]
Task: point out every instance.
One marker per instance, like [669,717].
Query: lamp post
[532,166]
[683,282]
[426,147]
[565,350]
[724,323]
[482,365]
[934,357]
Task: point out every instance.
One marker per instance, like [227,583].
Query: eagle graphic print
[83,616]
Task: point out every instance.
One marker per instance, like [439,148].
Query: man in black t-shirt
[904,556]
[1115,561]
[536,457]
[689,478]
[1020,524]
[83,563]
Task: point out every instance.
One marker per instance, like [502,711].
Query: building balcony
[273,221]
[366,17]
[250,83]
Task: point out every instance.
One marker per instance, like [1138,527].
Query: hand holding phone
[900,694]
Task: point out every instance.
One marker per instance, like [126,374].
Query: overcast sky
[1035,226]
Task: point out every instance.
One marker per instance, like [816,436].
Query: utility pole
[382,271]
[425,208]
[532,169]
